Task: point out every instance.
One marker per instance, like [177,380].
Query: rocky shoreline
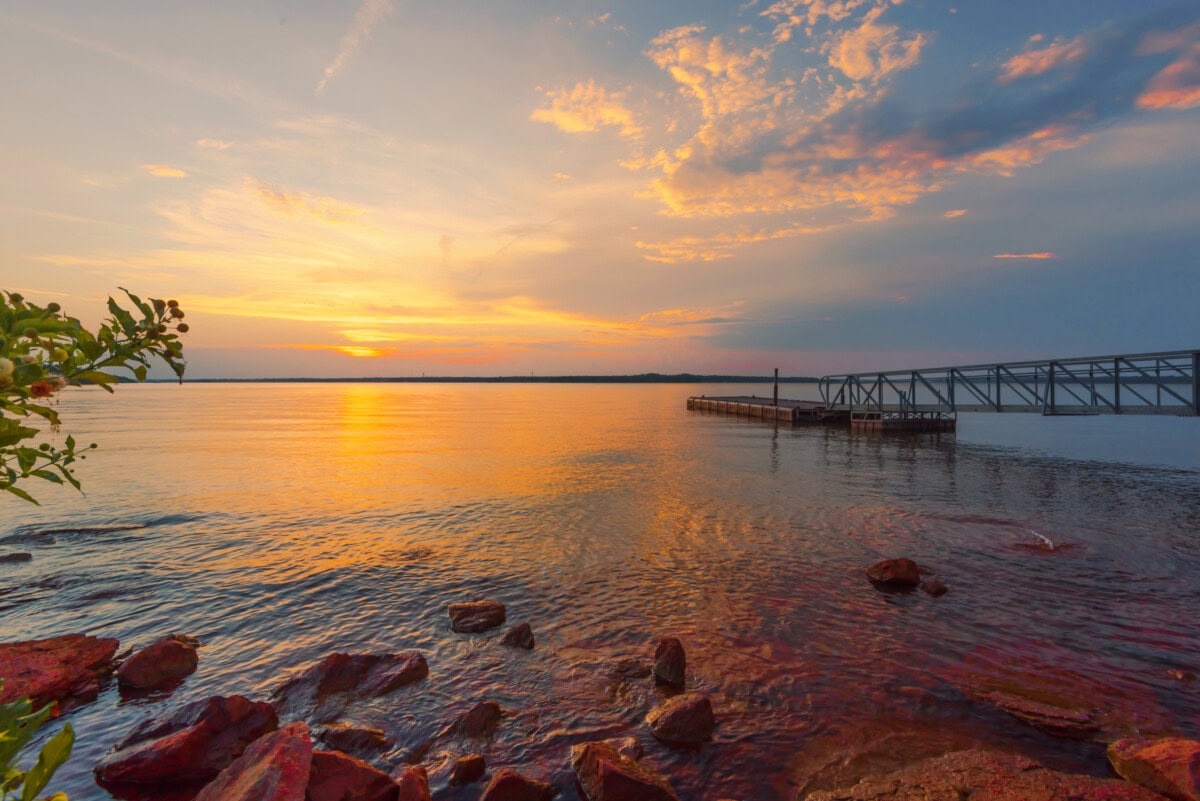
[301,744]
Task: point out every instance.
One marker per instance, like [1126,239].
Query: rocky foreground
[237,749]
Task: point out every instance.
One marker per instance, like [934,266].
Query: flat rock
[605,775]
[670,663]
[335,776]
[413,784]
[1167,765]
[519,636]
[67,670]
[895,573]
[474,616]
[354,739]
[193,743]
[348,677]
[984,776]
[274,768]
[161,664]
[508,785]
[13,558]
[686,718]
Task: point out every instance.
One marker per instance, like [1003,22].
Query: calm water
[283,522]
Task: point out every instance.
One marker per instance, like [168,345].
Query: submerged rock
[605,775]
[686,718]
[670,663]
[935,588]
[1167,765]
[476,616]
[67,669]
[984,776]
[335,776]
[274,768]
[343,736]
[352,676]
[519,636]
[480,720]
[19,556]
[192,744]
[895,573]
[161,664]
[508,785]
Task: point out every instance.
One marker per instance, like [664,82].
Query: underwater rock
[475,616]
[161,664]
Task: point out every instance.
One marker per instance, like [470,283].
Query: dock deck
[812,412]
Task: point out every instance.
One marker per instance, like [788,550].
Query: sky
[403,188]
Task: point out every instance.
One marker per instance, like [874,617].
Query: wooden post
[776,403]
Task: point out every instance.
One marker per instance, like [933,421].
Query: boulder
[628,747]
[1167,765]
[935,588]
[273,768]
[349,676]
[519,636]
[480,720]
[670,662]
[348,737]
[895,573]
[605,775]
[67,669]
[161,664]
[468,769]
[335,776]
[984,776]
[19,556]
[413,784]
[194,743]
[686,718]
[475,616]
[508,785]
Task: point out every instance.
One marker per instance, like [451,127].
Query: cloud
[1041,60]
[288,204]
[1045,254]
[587,108]
[1177,86]
[213,144]
[368,15]
[872,51]
[954,214]
[164,171]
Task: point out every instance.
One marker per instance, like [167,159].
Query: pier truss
[1142,383]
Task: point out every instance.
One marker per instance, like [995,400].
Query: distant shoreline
[647,378]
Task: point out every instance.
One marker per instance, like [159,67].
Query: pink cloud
[1045,254]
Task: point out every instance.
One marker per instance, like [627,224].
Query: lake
[281,522]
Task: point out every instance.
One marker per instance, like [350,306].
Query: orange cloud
[1045,254]
[871,51]
[587,108]
[1177,85]
[292,204]
[954,214]
[1036,62]
[164,171]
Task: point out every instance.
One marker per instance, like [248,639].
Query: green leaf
[14,434]
[22,494]
[46,474]
[53,755]
[95,377]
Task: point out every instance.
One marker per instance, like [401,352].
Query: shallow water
[279,523]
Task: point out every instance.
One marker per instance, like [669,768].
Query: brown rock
[161,664]
[895,573]
[686,718]
[335,776]
[67,669]
[984,776]
[19,556]
[273,768]
[670,662]
[467,769]
[508,785]
[627,747]
[935,588]
[1168,765]
[342,736]
[628,668]
[413,784]
[605,775]
[519,636]
[354,676]
[194,743]
[480,720]
[476,616]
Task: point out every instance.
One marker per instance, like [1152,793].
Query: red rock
[605,775]
[935,588]
[194,743]
[895,573]
[475,616]
[359,675]
[160,664]
[984,776]
[273,768]
[342,736]
[480,720]
[628,747]
[467,769]
[508,785]
[670,662]
[413,784]
[686,718]
[519,636]
[335,776]
[67,669]
[1168,765]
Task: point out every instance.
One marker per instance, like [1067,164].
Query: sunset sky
[390,188]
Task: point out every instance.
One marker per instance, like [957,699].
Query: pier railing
[1142,383]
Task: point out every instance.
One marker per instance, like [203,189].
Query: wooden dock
[816,412]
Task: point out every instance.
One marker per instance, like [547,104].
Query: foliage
[43,351]
[18,724]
